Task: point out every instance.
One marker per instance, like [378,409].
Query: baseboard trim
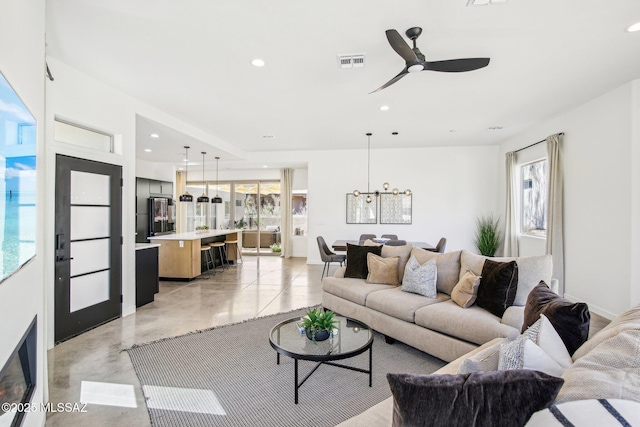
[593,308]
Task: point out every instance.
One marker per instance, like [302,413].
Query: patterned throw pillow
[522,353]
[420,279]
[465,292]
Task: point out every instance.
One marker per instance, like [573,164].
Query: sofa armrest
[452,367]
[514,316]
[340,272]
[554,285]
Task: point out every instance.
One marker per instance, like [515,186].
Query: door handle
[61,259]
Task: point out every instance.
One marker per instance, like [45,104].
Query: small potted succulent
[276,247]
[318,324]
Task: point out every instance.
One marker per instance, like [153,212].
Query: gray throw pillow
[491,399]
[420,279]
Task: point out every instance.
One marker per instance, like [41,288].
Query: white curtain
[286,183]
[510,218]
[555,240]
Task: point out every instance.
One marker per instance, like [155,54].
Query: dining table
[341,245]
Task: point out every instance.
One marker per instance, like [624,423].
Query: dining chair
[327,256]
[390,236]
[395,242]
[442,243]
[364,237]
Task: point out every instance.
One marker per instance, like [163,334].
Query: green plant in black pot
[487,235]
[318,324]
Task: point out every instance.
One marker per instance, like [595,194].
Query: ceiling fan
[415,60]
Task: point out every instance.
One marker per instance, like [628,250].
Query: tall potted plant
[487,238]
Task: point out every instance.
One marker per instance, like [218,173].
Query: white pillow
[522,353]
[420,279]
[544,334]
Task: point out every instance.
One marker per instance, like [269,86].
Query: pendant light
[385,186]
[217,199]
[203,198]
[186,197]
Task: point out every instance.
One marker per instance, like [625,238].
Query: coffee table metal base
[351,368]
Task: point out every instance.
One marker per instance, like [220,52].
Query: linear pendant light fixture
[186,197]
[217,199]
[203,198]
[385,186]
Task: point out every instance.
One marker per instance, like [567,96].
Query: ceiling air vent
[353,60]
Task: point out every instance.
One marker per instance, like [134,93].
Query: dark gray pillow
[357,267]
[491,399]
[498,286]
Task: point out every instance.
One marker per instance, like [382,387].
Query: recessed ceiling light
[257,62]
[264,166]
[633,28]
[148,150]
[154,135]
[384,108]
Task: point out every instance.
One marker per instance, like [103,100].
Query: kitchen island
[179,253]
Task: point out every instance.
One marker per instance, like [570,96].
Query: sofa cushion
[354,290]
[465,292]
[448,265]
[402,252]
[473,324]
[420,279]
[401,305]
[571,320]
[491,399]
[609,371]
[498,286]
[514,317]
[357,260]
[531,270]
[382,270]
[626,321]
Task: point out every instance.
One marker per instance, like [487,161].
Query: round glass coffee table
[352,338]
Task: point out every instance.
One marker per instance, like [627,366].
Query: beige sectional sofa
[437,326]
[606,366]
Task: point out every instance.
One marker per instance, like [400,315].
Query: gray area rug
[228,376]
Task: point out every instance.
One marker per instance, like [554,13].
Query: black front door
[88,251]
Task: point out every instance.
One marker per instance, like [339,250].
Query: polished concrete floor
[95,365]
[92,367]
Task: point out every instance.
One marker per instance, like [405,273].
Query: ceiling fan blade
[457,65]
[400,46]
[392,81]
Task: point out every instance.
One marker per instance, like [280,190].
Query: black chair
[442,243]
[327,256]
[395,242]
[364,237]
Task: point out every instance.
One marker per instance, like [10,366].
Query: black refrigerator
[162,216]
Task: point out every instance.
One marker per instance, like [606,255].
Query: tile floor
[93,364]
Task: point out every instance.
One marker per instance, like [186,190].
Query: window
[299,213]
[533,220]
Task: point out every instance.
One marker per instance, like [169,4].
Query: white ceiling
[192,60]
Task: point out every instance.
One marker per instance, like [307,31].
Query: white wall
[451,187]
[80,99]
[22,295]
[157,171]
[601,183]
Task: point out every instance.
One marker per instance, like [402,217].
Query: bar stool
[221,250]
[233,245]
[208,259]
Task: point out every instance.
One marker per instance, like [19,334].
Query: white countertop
[140,246]
[192,235]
